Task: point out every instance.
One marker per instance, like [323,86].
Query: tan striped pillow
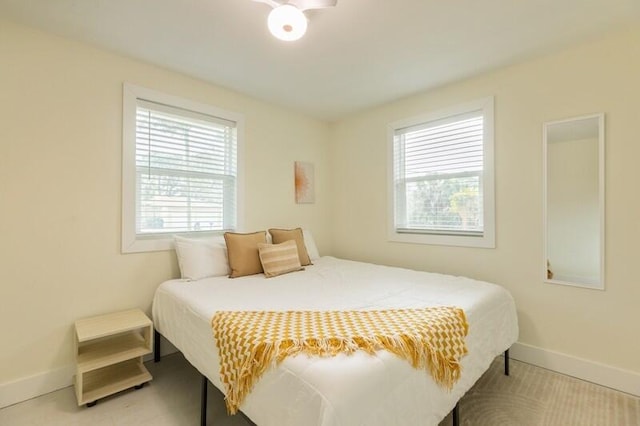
[278,259]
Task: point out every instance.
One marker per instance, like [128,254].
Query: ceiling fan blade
[272,3]
[312,4]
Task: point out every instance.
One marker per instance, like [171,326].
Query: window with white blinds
[441,177]
[184,170]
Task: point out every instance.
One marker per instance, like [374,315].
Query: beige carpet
[532,396]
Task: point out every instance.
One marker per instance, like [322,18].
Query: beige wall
[600,76]
[60,189]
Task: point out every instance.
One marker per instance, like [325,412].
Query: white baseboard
[49,381]
[32,386]
[590,371]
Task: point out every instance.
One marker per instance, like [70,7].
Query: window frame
[487,239]
[131,242]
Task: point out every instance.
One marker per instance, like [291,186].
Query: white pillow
[202,257]
[310,244]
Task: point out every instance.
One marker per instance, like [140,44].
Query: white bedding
[345,390]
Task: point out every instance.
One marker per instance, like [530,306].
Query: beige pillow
[282,235]
[278,259]
[242,251]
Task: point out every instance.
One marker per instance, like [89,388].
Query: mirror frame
[601,198]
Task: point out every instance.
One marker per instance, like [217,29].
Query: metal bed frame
[455,413]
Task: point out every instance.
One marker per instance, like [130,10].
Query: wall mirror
[574,201]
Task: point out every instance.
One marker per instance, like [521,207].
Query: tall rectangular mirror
[574,201]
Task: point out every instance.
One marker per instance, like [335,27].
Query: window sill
[486,241]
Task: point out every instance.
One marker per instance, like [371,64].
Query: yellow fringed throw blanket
[249,342]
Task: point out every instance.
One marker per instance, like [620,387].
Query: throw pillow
[278,259]
[282,235]
[242,250]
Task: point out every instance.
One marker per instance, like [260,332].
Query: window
[441,177]
[180,169]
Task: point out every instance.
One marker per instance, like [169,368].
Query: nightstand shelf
[109,351]
[114,378]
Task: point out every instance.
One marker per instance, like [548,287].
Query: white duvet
[359,389]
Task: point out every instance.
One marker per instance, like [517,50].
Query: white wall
[60,190]
[600,76]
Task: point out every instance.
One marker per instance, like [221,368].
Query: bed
[356,389]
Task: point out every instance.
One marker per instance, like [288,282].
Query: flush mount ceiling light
[287,21]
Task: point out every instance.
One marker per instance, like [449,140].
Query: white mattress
[345,390]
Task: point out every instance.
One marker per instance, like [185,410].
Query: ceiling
[359,54]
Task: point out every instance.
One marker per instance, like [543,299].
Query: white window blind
[438,176]
[186,171]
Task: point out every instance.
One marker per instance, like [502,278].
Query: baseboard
[49,381]
[36,385]
[590,371]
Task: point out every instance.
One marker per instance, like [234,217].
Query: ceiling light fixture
[287,22]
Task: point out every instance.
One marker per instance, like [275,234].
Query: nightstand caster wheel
[140,386]
[91,404]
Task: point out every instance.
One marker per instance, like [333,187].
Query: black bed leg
[456,414]
[506,362]
[156,346]
[203,401]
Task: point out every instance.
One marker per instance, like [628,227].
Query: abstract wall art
[304,182]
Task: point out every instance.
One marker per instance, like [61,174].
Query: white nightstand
[109,350]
